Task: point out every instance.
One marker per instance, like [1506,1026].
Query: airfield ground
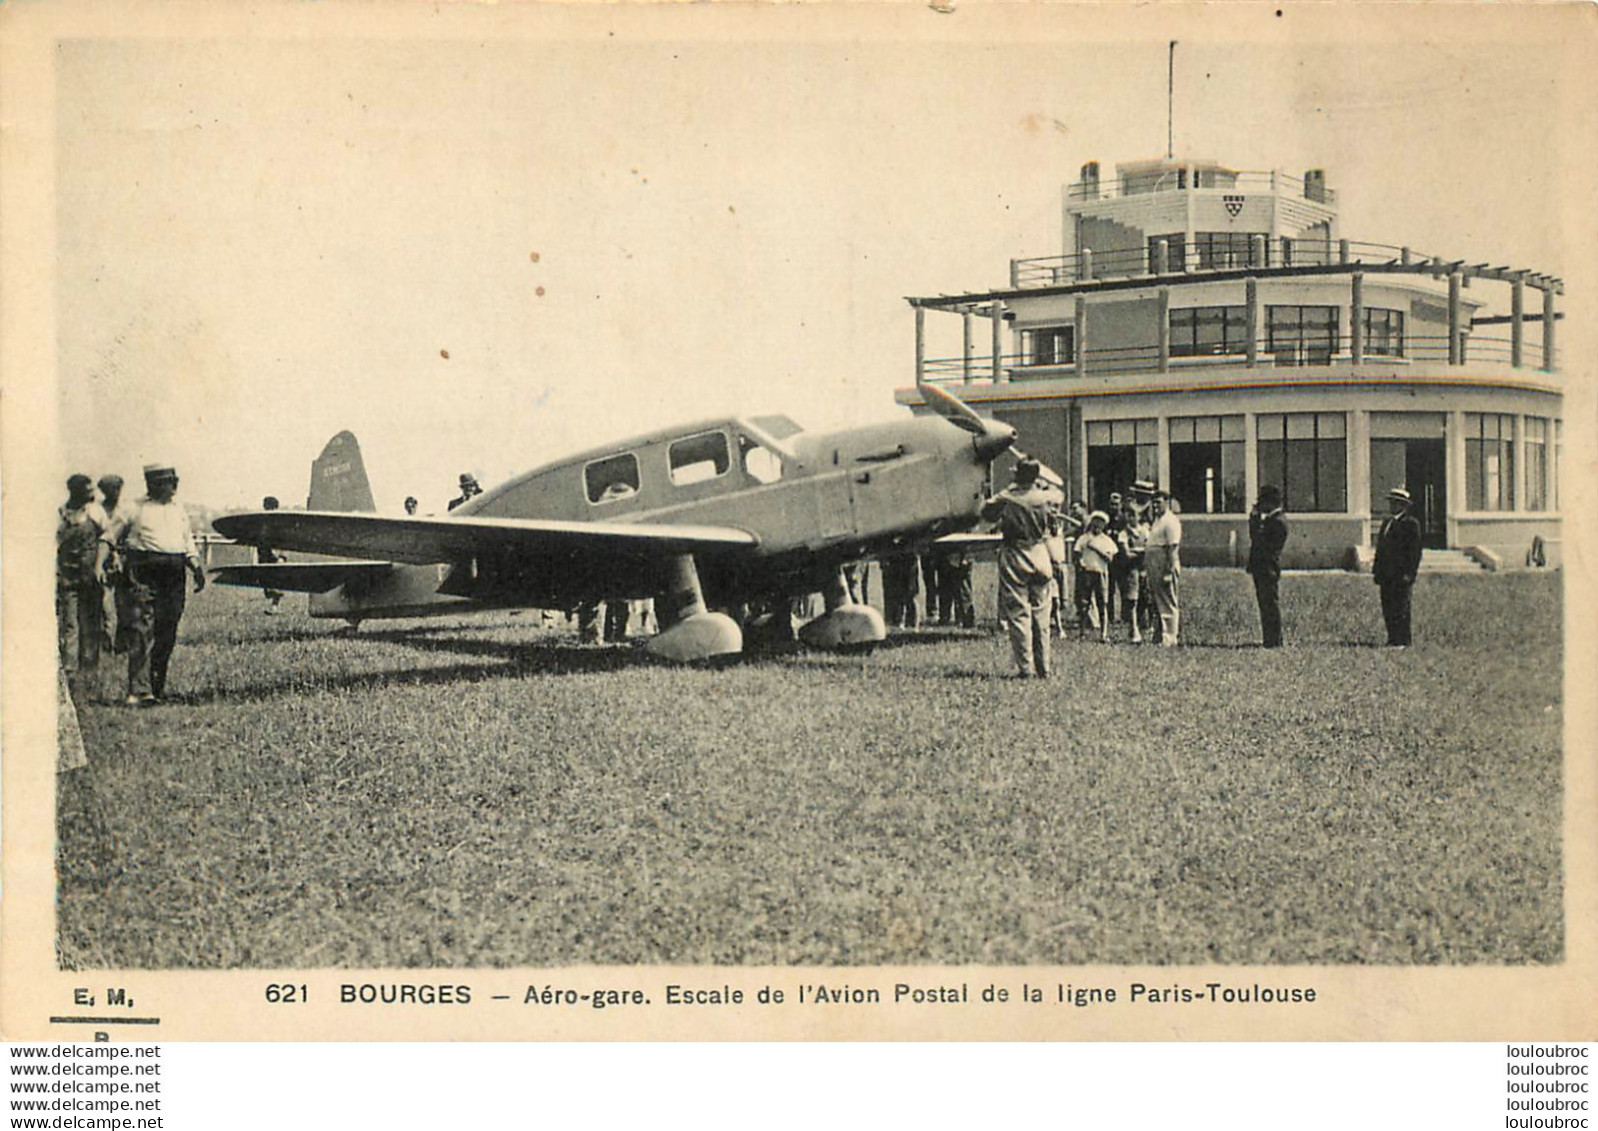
[488,793]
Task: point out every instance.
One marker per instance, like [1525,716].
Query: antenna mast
[1170,102]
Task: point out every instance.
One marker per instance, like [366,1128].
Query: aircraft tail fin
[338,478]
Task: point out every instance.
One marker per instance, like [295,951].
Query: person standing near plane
[1025,570]
[78,576]
[411,504]
[1397,562]
[1162,562]
[1267,534]
[118,606]
[469,490]
[159,548]
[265,555]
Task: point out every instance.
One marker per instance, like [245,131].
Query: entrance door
[1425,469]
[1409,450]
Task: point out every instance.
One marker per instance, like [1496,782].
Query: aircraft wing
[424,540]
[299,577]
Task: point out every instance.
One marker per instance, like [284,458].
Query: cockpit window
[614,477]
[699,458]
[762,464]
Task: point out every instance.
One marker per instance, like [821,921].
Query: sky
[485,240]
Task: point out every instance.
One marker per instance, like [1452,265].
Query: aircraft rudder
[338,478]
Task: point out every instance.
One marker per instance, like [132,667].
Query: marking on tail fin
[338,478]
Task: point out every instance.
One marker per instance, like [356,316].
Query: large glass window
[1050,345]
[1306,455]
[1536,463]
[1120,452]
[1228,249]
[1207,464]
[1384,332]
[1301,335]
[1202,331]
[1489,461]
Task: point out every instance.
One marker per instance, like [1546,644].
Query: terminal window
[1203,331]
[1384,332]
[1207,464]
[1306,455]
[1120,452]
[1301,335]
[1536,463]
[1051,345]
[1489,461]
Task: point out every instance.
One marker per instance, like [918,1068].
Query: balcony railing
[1059,270]
[1207,180]
[1130,359]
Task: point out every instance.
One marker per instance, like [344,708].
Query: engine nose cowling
[995,437]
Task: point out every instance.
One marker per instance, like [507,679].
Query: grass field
[489,793]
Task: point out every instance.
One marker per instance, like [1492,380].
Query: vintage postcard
[872,521]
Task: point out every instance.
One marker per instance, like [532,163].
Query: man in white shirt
[1162,561]
[158,547]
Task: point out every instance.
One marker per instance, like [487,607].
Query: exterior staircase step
[1448,561]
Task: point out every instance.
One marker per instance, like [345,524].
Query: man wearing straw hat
[159,548]
[1397,561]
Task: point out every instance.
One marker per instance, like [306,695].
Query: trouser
[958,606]
[1265,592]
[931,569]
[157,590]
[616,617]
[1081,594]
[1164,589]
[79,626]
[1095,592]
[1395,611]
[1134,596]
[1024,607]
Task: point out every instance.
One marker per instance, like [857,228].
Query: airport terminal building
[1211,329]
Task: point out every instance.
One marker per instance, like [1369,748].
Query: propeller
[991,436]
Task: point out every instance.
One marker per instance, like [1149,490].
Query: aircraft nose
[996,436]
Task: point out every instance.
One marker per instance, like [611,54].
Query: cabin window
[612,478]
[1207,464]
[699,458]
[761,463]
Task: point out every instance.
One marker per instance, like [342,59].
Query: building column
[921,345]
[1455,312]
[1517,321]
[1454,462]
[1359,471]
[1251,459]
[1189,251]
[1081,336]
[967,354]
[1164,316]
[1549,317]
[1076,440]
[996,315]
[1251,308]
[1162,433]
[1518,483]
[1356,319]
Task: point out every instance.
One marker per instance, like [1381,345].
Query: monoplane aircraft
[711,520]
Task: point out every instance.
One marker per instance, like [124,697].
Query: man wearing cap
[1162,561]
[78,574]
[469,490]
[158,547]
[1397,561]
[1267,534]
[1025,569]
[117,605]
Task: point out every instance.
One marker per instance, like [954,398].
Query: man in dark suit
[1397,561]
[1267,534]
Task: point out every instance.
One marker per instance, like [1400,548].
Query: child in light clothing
[1095,549]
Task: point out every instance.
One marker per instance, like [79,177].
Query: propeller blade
[952,409]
